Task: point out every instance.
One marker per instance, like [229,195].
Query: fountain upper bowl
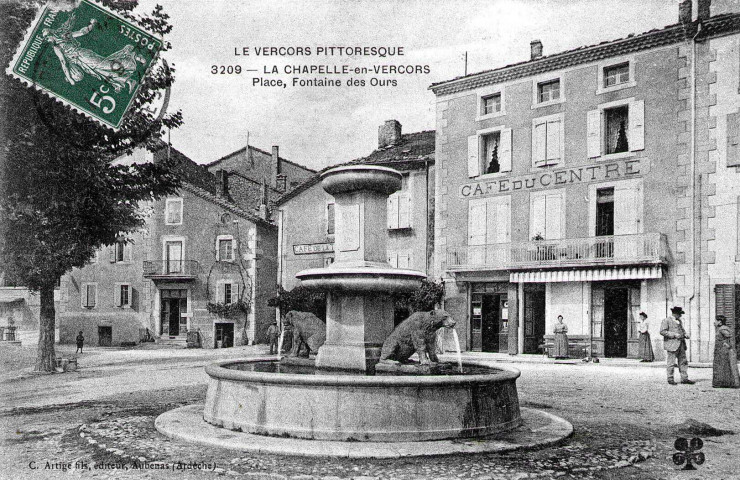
[361,279]
[354,178]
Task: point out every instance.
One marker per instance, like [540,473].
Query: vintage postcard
[369,240]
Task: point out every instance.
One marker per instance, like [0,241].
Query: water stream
[280,343]
[457,348]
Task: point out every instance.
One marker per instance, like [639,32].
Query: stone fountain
[277,407]
[359,284]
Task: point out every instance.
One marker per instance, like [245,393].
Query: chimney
[264,200]
[281,185]
[684,12]
[389,133]
[703,10]
[275,170]
[223,182]
[535,47]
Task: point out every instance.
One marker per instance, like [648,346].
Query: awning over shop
[588,275]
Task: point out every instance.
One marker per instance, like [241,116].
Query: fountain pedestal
[359,308]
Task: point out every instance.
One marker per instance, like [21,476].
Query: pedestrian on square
[674,342]
[560,346]
[273,333]
[644,345]
[80,342]
[724,372]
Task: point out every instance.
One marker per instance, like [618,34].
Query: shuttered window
[489,223]
[89,295]
[733,138]
[616,128]
[489,152]
[726,298]
[547,141]
[547,216]
[330,219]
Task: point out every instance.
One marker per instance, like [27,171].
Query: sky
[318,126]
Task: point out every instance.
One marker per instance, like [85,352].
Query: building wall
[203,221]
[721,250]
[662,172]
[258,165]
[304,221]
[125,322]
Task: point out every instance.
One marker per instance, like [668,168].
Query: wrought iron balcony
[637,249]
[171,269]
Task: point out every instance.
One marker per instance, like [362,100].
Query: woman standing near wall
[725,372]
[560,347]
[644,345]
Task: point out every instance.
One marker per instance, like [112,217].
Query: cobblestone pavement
[625,422]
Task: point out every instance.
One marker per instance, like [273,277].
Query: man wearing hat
[674,342]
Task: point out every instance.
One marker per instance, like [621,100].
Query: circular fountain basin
[261,396]
[362,279]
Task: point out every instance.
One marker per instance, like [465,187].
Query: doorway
[605,221]
[224,337]
[616,304]
[105,336]
[489,317]
[174,303]
[534,317]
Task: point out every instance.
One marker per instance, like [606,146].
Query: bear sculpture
[416,334]
[309,333]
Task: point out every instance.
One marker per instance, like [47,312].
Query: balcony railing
[638,249]
[171,269]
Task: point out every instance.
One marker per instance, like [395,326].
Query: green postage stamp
[89,58]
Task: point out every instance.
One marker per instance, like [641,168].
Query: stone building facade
[306,214]
[199,248]
[586,184]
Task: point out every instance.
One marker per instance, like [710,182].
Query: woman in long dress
[560,347]
[725,372]
[644,346]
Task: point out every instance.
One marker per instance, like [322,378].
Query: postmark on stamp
[89,58]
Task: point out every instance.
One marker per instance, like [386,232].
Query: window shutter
[92,295]
[393,211]
[127,249]
[393,259]
[504,151]
[477,223]
[593,136]
[113,253]
[539,143]
[473,162]
[553,140]
[537,216]
[234,292]
[626,210]
[117,295]
[554,217]
[733,137]
[724,296]
[636,136]
[219,292]
[403,260]
[503,234]
[404,210]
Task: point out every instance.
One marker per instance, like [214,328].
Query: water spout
[280,343]
[457,348]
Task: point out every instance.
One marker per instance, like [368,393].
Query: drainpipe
[426,216]
[695,281]
[278,317]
